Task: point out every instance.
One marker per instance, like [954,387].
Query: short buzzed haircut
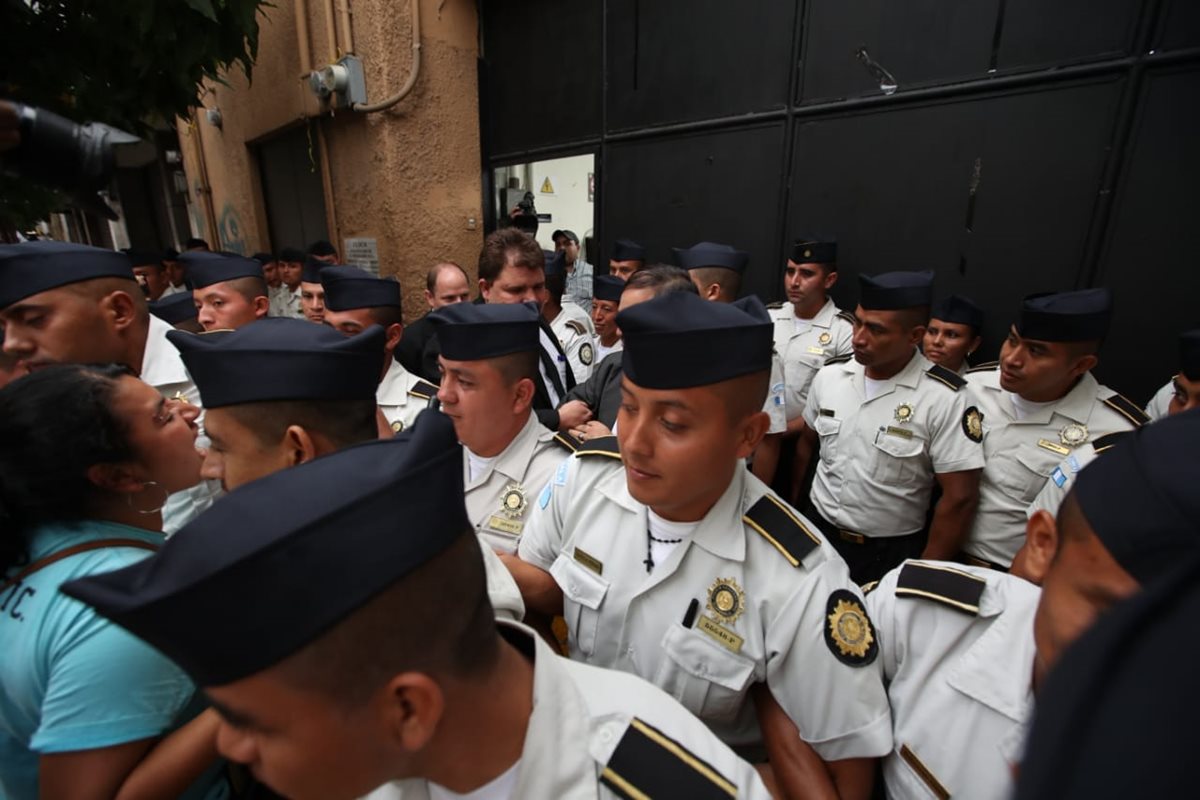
[662,279]
[729,280]
[443,605]
[431,277]
[248,287]
[515,366]
[342,422]
[505,246]
[386,316]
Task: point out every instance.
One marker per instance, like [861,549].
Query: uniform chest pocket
[898,459]
[827,428]
[710,680]
[1029,473]
[583,594]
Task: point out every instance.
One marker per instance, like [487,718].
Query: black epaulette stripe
[947,585]
[775,306]
[604,446]
[782,528]
[868,587]
[1127,409]
[568,441]
[424,390]
[577,326]
[1106,441]
[839,359]
[846,315]
[947,377]
[984,367]
[649,764]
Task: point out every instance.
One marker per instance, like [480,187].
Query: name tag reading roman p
[510,526]
[720,634]
[1054,447]
[816,351]
[589,561]
[903,433]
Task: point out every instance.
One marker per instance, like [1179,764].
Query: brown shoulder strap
[67,552]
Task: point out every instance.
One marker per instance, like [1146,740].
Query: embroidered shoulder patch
[648,763]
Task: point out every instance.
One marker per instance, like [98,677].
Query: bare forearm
[797,770]
[538,588]
[951,522]
[175,762]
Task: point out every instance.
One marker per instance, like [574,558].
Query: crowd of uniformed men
[792,550]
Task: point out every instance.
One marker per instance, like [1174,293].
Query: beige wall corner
[408,177]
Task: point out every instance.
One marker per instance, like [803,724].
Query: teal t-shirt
[70,679]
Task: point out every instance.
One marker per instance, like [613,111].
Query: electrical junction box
[343,81]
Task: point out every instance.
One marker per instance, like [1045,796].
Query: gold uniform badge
[848,631]
[726,602]
[825,338]
[972,424]
[903,413]
[513,502]
[1073,435]
[397,426]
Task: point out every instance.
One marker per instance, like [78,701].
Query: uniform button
[629,652]
[572,588]
[606,734]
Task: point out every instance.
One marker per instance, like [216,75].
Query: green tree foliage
[128,63]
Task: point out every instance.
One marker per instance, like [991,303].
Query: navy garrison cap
[174,308]
[351,287]
[959,310]
[813,251]
[144,258]
[292,255]
[895,290]
[1080,316]
[281,359]
[205,268]
[677,341]
[607,287]
[31,268]
[312,269]
[708,254]
[263,258]
[1189,355]
[556,262]
[282,560]
[171,254]
[1141,497]
[473,332]
[627,250]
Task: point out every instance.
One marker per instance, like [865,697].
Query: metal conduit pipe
[303,48]
[331,32]
[369,108]
[347,31]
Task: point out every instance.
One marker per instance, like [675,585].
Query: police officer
[670,560]
[287,303]
[1039,403]
[891,424]
[100,316]
[312,294]
[283,392]
[1182,392]
[178,310]
[489,360]
[354,301]
[571,325]
[374,653]
[965,648]
[606,301]
[229,291]
[953,333]
[809,328]
[627,258]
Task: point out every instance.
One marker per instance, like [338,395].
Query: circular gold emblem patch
[903,412]
[586,354]
[726,600]
[397,426]
[848,631]
[513,502]
[825,338]
[1073,435]
[972,424]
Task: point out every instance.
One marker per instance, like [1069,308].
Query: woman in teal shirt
[88,455]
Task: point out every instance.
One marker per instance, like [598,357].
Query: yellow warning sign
[547,186]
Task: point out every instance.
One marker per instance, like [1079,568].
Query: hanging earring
[161,505]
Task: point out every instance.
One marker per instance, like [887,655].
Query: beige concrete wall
[408,177]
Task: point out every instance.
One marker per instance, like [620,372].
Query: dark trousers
[868,557]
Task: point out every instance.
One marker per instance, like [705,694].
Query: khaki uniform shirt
[575,332]
[595,734]
[805,350]
[957,650]
[500,498]
[285,302]
[1021,453]
[402,396]
[770,606]
[162,368]
[879,457]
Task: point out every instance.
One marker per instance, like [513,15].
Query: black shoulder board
[1127,409]
[423,390]
[775,306]
[984,367]
[947,585]
[577,326]
[1108,440]
[947,377]
[648,763]
[568,441]
[604,446]
[839,359]
[868,587]
[780,526]
[846,315]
